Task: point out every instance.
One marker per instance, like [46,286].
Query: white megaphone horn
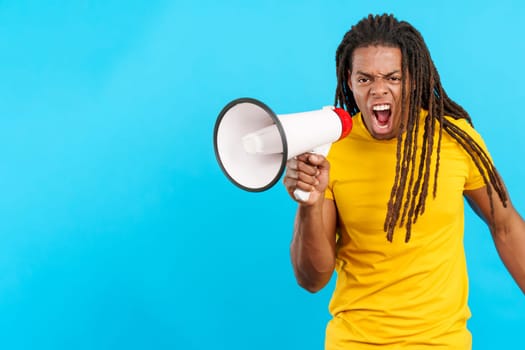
[252,144]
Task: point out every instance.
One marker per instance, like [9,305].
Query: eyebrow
[397,71]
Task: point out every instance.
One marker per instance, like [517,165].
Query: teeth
[381,107]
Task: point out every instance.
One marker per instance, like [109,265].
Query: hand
[307,172]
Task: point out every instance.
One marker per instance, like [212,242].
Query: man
[386,205]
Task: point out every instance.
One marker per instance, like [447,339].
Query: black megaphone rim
[280,128]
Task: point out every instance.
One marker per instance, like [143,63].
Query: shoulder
[463,126]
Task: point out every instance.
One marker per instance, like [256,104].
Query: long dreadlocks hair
[410,188]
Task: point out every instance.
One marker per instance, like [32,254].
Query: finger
[305,186]
[300,180]
[307,180]
[290,184]
[293,180]
[316,160]
[307,168]
[293,184]
[293,174]
[303,157]
[292,164]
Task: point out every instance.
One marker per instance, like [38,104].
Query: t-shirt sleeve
[475,178]
[329,192]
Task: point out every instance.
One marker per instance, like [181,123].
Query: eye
[395,78]
[363,80]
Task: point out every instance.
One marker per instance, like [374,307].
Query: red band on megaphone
[346,122]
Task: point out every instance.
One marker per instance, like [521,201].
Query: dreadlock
[410,187]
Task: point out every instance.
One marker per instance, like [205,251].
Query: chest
[363,174]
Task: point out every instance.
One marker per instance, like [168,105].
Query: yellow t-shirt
[397,294]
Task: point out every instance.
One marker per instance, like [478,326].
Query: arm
[313,246]
[507,228]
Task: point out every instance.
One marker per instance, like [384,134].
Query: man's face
[375,81]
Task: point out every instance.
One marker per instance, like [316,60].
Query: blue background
[117,228]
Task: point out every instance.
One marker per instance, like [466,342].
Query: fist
[307,172]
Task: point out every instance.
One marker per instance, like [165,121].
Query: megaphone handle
[302,195]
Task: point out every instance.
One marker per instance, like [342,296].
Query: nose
[379,88]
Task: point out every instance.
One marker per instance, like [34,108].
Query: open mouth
[382,113]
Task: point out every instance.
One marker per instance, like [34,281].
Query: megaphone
[252,143]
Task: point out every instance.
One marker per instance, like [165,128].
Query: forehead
[376,59]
